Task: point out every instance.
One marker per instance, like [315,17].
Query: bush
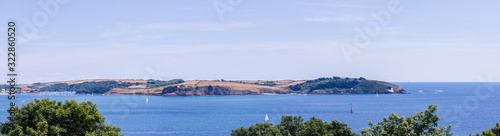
[170,89]
[46,117]
[293,125]
[492,132]
[423,123]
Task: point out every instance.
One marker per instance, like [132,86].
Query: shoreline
[292,93]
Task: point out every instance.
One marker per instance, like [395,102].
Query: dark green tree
[210,88]
[170,89]
[260,129]
[50,117]
[316,127]
[293,126]
[492,132]
[423,123]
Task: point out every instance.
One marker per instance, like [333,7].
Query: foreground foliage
[424,123]
[68,118]
[492,132]
[292,125]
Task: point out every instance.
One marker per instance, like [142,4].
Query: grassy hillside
[179,87]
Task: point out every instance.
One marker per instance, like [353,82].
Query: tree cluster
[294,126]
[87,87]
[338,84]
[492,132]
[335,83]
[97,87]
[266,83]
[424,123]
[57,118]
[206,90]
[7,87]
[157,83]
[56,87]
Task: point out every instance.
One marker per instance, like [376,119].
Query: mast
[351,108]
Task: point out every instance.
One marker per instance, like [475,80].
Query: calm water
[468,107]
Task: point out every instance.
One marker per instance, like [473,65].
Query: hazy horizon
[421,41]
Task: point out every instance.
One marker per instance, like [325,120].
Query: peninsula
[179,87]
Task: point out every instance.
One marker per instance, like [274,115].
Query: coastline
[179,87]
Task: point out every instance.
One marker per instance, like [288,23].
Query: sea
[469,107]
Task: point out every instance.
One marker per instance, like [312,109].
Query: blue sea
[469,107]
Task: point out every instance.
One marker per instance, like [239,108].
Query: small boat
[266,118]
[376,94]
[147,100]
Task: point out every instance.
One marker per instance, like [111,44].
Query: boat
[376,94]
[390,90]
[351,108]
[266,118]
[147,100]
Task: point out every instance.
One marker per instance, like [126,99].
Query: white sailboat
[147,100]
[266,119]
[376,94]
[391,90]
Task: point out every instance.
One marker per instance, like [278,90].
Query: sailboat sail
[266,119]
[147,100]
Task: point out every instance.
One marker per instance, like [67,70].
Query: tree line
[57,118]
[206,90]
[325,83]
[157,83]
[87,87]
[338,84]
[424,123]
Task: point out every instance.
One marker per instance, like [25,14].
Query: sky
[389,40]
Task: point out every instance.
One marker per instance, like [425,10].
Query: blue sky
[426,41]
